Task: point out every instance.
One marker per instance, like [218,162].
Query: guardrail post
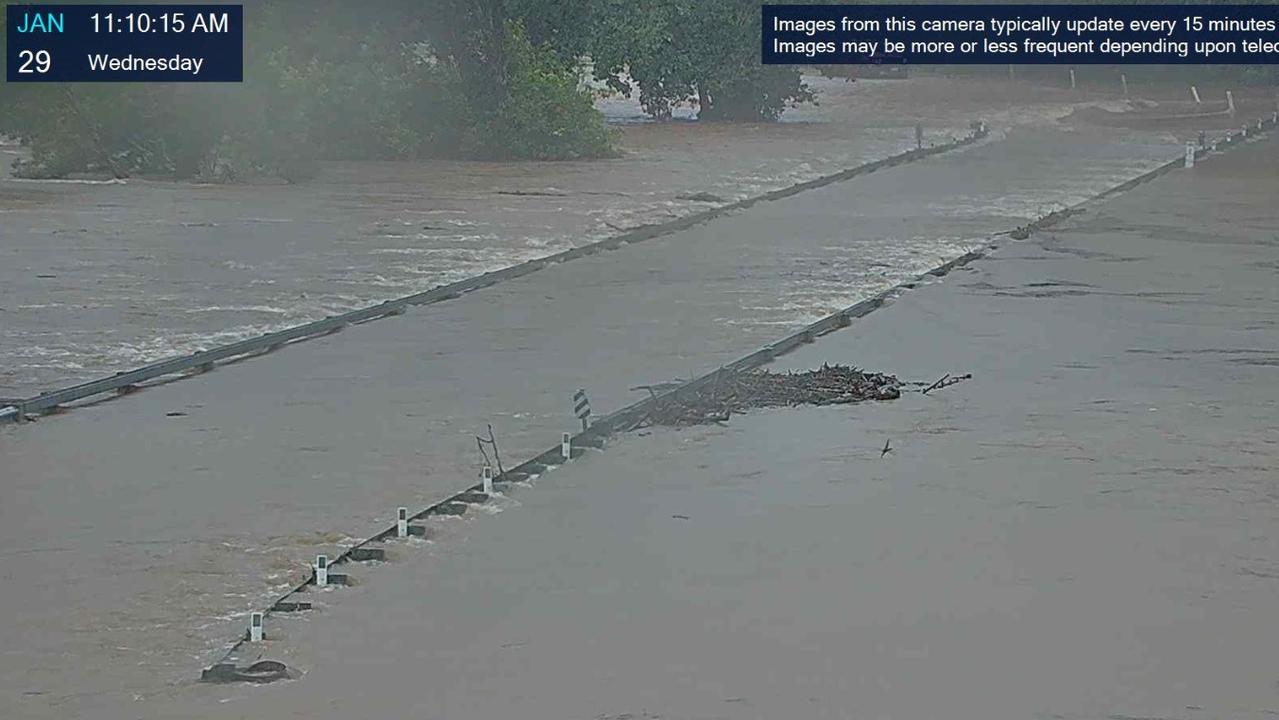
[487,475]
[401,522]
[321,570]
[255,627]
[566,446]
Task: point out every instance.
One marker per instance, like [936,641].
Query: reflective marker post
[582,408]
[487,474]
[255,627]
[402,522]
[321,570]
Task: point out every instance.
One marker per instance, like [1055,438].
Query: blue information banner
[124,43]
[1020,34]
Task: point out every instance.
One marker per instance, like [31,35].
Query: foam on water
[66,181]
[295,286]
[243,308]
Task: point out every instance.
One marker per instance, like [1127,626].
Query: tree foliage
[670,52]
[329,79]
[323,81]
[381,79]
[543,115]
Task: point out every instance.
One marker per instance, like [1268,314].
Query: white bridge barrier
[628,417]
[321,570]
[208,359]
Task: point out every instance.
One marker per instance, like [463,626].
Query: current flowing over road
[144,528]
[1084,530]
[102,276]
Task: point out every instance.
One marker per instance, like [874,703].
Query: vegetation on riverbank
[400,79]
[491,79]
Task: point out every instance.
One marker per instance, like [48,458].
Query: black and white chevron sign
[581,407]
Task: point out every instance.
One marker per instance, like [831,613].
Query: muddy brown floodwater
[1086,530]
[100,277]
[142,530]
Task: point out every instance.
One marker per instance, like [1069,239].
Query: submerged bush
[545,115]
[331,92]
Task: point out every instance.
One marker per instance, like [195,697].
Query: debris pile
[946,381]
[262,671]
[737,392]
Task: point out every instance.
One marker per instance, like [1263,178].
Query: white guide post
[321,570]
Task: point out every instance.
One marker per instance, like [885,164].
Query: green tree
[671,52]
[474,36]
[522,99]
[325,79]
[544,115]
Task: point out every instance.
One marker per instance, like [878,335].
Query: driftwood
[946,381]
[262,671]
[738,392]
[491,441]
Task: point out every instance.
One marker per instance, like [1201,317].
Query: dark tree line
[330,79]
[383,79]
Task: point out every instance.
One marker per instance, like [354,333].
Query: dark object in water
[737,392]
[367,554]
[449,508]
[946,381]
[881,71]
[262,671]
[701,197]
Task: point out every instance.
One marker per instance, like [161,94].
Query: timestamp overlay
[124,43]
[1021,34]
